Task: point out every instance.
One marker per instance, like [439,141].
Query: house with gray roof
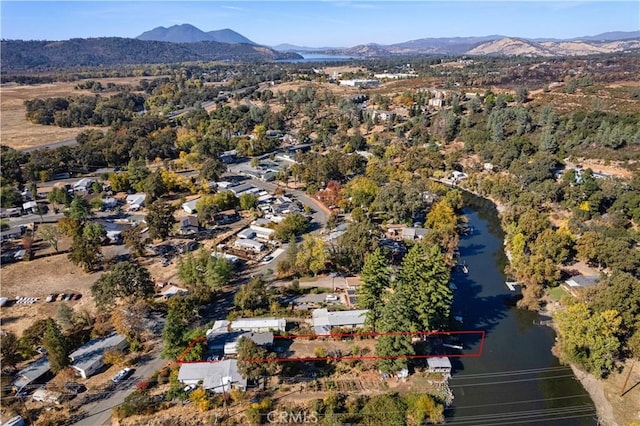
[89,358]
[31,374]
[217,377]
[324,321]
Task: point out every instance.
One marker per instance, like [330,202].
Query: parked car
[189,388]
[268,258]
[331,298]
[51,298]
[122,374]
[77,296]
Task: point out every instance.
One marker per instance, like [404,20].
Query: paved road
[99,413]
[52,145]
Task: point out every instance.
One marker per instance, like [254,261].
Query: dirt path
[595,388]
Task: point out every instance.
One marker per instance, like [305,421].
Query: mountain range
[185,42]
[485,45]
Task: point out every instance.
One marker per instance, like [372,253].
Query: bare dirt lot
[18,133]
[38,278]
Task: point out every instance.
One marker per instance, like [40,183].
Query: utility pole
[624,386]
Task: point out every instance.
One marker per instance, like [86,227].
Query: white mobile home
[89,358]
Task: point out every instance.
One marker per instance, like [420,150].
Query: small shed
[190,206]
[439,365]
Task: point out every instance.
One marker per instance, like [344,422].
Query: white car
[331,298]
[122,374]
[188,388]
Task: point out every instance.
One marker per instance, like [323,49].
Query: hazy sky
[320,23]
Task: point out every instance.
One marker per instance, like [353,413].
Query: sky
[320,23]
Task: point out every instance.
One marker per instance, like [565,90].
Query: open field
[38,278]
[18,133]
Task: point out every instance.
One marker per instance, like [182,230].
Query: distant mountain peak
[187,33]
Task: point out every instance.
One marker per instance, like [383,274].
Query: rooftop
[582,280]
[324,320]
[88,353]
[439,362]
[213,374]
[32,372]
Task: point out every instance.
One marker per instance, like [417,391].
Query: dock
[512,285]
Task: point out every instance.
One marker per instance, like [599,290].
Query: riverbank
[612,408]
[595,389]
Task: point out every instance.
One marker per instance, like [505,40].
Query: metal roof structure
[324,320]
[215,376]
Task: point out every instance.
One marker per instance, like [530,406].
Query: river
[516,380]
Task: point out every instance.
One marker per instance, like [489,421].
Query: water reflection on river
[516,380]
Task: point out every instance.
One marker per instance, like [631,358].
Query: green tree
[311,256]
[352,247]
[154,186]
[57,346]
[160,219]
[425,276]
[64,316]
[423,407]
[204,273]
[85,246]
[134,241]
[9,349]
[51,234]
[10,197]
[363,191]
[397,316]
[252,296]
[59,196]
[248,201]
[252,358]
[32,336]
[127,279]
[292,225]
[376,277]
[175,333]
[620,292]
[79,209]
[384,410]
[212,169]
[589,338]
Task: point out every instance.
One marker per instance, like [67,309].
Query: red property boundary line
[480,333]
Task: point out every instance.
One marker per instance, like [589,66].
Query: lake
[310,57]
[516,380]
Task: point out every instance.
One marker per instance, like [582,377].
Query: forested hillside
[18,55]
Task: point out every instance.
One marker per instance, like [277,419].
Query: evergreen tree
[396,317]
[160,219]
[9,349]
[57,346]
[375,278]
[425,276]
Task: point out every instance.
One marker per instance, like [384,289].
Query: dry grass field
[18,133]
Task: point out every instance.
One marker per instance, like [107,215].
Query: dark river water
[516,380]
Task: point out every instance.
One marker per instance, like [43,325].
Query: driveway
[99,413]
